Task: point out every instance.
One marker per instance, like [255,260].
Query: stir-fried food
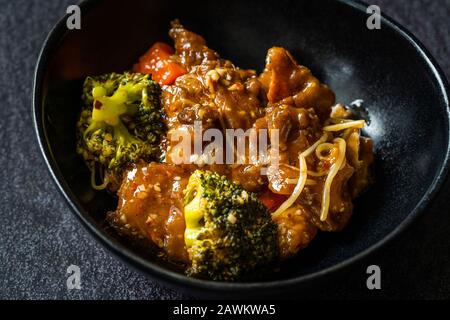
[228,211]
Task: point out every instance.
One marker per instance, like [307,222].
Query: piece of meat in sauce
[297,102]
[298,129]
[214,89]
[295,231]
[214,92]
[287,81]
[151,206]
[341,206]
[191,48]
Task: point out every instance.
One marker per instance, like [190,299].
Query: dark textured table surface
[40,238]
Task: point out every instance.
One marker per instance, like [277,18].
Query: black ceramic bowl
[404,92]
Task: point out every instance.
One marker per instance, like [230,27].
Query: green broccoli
[120,123]
[229,233]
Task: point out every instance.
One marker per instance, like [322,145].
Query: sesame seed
[234,87]
[221,71]
[231,218]
[214,75]
[142,195]
[201,113]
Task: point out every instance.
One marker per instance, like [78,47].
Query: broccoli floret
[120,123]
[229,233]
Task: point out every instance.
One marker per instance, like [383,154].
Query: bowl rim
[172,278]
